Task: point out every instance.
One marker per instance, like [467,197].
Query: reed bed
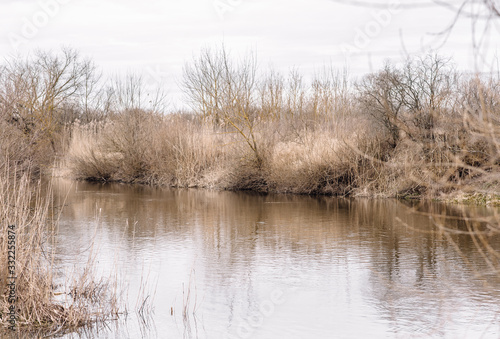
[180,151]
[32,300]
[417,128]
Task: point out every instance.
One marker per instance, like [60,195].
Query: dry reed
[24,211]
[420,129]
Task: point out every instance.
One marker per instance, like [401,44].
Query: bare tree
[131,93]
[382,101]
[203,81]
[272,95]
[91,93]
[426,89]
[222,91]
[37,92]
[410,98]
[127,92]
[330,93]
[296,94]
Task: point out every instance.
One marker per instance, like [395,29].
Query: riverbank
[415,129]
[298,157]
[232,247]
[39,299]
[492,200]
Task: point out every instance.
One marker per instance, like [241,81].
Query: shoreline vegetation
[415,129]
[39,299]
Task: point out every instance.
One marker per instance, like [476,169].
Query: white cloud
[128,34]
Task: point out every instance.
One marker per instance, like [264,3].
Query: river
[281,266]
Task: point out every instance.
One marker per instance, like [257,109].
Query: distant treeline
[414,128]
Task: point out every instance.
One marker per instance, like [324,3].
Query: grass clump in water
[30,298]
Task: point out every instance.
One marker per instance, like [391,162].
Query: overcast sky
[156,37]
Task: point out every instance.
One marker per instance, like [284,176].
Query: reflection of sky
[339,269]
[155,37]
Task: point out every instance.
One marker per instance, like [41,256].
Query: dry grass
[142,147]
[317,163]
[36,304]
[316,158]
[15,146]
[419,129]
[386,136]
[191,154]
[85,157]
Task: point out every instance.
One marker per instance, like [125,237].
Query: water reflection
[284,266]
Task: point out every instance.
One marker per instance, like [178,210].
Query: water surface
[281,266]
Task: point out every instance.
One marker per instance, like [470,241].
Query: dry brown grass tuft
[24,210]
[317,163]
[144,147]
[187,153]
[85,157]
